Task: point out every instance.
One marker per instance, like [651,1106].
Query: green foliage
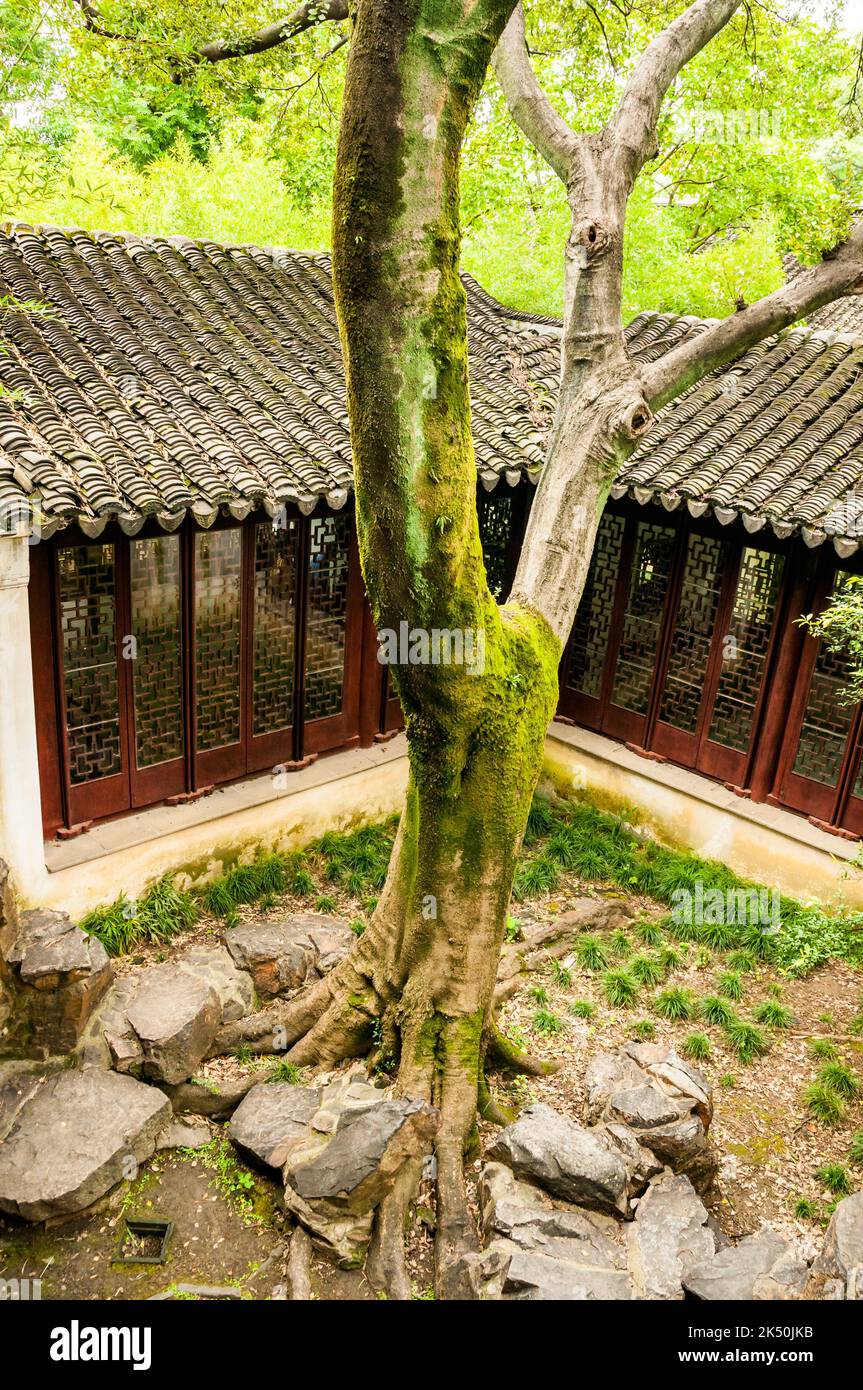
[835,1178]
[823,1048]
[774,1014]
[745,1039]
[743,961]
[648,931]
[544,1021]
[591,952]
[286,1071]
[716,1010]
[806,1210]
[697,1047]
[539,994]
[162,913]
[824,1104]
[536,876]
[839,1078]
[855,1149]
[675,1003]
[512,929]
[620,988]
[728,1081]
[582,1008]
[730,985]
[647,970]
[562,974]
[644,1030]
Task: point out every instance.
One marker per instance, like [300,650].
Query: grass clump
[547,1023]
[774,1014]
[714,1009]
[823,1048]
[806,1210]
[697,1047]
[591,952]
[644,1030]
[675,1004]
[823,1104]
[286,1071]
[839,1078]
[620,988]
[855,1149]
[745,1039]
[161,914]
[731,985]
[647,970]
[582,1008]
[836,1179]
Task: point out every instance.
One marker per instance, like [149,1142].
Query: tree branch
[528,104]
[306,16]
[841,272]
[632,128]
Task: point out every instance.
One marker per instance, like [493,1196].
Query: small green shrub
[697,1047]
[582,1008]
[840,1079]
[644,1030]
[745,1039]
[620,988]
[823,1104]
[716,1010]
[675,1004]
[544,1021]
[835,1178]
[730,985]
[774,1014]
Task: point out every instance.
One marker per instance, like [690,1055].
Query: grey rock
[579,1165]
[685,1148]
[741,1271]
[270,1116]
[279,956]
[19,1081]
[607,1073]
[643,1107]
[214,965]
[175,1016]
[533,1276]
[74,1139]
[333,1185]
[669,1235]
[840,1263]
[179,1134]
[332,940]
[642,1164]
[61,974]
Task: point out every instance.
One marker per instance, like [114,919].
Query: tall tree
[421,978]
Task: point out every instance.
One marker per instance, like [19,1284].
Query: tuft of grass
[697,1047]
[670,957]
[719,936]
[621,945]
[675,1003]
[324,903]
[745,1039]
[774,1014]
[620,988]
[562,974]
[731,985]
[548,1023]
[541,820]
[823,1048]
[537,876]
[358,926]
[728,1081]
[823,1104]
[648,931]
[539,994]
[644,1030]
[161,914]
[716,1010]
[855,1149]
[647,970]
[743,961]
[582,1008]
[806,1210]
[839,1078]
[591,952]
[286,1071]
[835,1178]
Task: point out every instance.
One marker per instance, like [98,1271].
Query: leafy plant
[839,1078]
[591,952]
[806,1210]
[562,974]
[774,1014]
[823,1048]
[675,1003]
[647,970]
[716,1010]
[835,1178]
[539,994]
[644,1030]
[855,1149]
[648,931]
[285,1071]
[544,1021]
[697,1047]
[582,1008]
[745,1039]
[823,1104]
[730,985]
[620,988]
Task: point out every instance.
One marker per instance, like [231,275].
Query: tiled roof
[844,315]
[172,375]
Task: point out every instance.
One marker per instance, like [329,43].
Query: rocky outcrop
[577,1164]
[270,1118]
[282,956]
[646,1094]
[837,1273]
[765,1265]
[56,976]
[75,1136]
[669,1235]
[175,1016]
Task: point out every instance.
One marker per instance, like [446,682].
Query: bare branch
[306,16]
[633,126]
[841,272]
[528,104]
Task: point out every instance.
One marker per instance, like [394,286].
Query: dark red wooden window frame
[67,805]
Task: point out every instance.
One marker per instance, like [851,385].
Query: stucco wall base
[764,843]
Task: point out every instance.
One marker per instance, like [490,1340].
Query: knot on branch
[588,242]
[637,419]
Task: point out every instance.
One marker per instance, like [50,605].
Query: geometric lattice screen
[218,612]
[157,669]
[827,721]
[275,627]
[326,615]
[590,631]
[693,630]
[651,570]
[745,647]
[90,687]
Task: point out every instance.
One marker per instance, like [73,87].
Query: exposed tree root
[511,1057]
[299,1265]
